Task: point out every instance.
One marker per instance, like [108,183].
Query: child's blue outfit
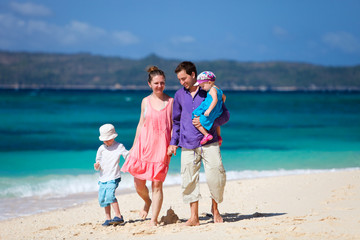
[107,192]
[207,122]
[109,158]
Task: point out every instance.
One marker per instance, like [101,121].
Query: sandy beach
[313,206]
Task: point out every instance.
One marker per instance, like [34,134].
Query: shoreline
[41,204]
[284,89]
[310,206]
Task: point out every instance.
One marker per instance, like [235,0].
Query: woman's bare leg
[157,197]
[143,192]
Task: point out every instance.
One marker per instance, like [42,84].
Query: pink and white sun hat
[107,132]
[205,76]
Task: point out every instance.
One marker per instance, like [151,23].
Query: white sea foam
[58,186]
[29,195]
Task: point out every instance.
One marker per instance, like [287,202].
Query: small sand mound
[170,217]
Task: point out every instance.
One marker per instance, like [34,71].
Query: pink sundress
[148,159]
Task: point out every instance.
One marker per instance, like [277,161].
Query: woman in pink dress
[148,159]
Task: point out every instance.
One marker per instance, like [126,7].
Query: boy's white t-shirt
[109,158]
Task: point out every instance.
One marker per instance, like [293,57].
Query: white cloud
[124,37]
[36,27]
[343,41]
[30,9]
[79,33]
[183,39]
[7,22]
[280,32]
[262,48]
[82,28]
[17,32]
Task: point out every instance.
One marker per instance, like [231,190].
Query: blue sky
[325,32]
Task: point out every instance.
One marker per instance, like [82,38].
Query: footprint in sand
[144,232]
[49,228]
[329,218]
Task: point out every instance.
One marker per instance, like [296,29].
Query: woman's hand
[172,150]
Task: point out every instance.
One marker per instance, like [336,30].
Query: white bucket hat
[107,132]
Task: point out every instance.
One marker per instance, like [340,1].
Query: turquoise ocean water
[49,140]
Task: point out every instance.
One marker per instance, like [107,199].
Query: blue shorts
[107,192]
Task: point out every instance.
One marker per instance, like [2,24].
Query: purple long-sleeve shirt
[185,134]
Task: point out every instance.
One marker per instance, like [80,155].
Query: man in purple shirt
[186,136]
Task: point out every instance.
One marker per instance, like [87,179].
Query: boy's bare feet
[144,212]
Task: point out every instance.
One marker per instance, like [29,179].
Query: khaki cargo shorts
[191,160]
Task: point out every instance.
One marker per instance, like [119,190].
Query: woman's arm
[141,122]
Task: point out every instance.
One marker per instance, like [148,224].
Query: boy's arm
[125,153]
[223,97]
[97,160]
[97,166]
[213,94]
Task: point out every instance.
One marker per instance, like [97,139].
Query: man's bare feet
[144,212]
[218,218]
[216,213]
[192,222]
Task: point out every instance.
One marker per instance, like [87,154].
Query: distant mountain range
[20,70]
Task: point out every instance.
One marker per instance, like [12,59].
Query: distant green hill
[86,71]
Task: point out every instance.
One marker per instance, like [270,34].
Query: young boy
[107,162]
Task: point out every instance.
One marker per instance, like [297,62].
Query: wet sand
[313,206]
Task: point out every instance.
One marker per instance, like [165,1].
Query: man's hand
[172,150]
[196,122]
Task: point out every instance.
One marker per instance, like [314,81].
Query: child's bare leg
[143,192]
[218,131]
[203,130]
[115,206]
[206,134]
[108,212]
